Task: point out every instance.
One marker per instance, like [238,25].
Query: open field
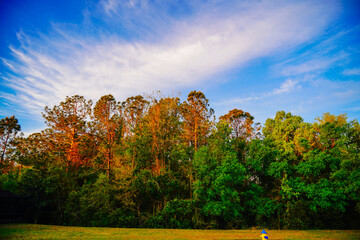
[30,231]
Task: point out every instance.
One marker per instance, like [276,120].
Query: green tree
[133,111]
[196,115]
[219,180]
[108,125]
[47,189]
[262,199]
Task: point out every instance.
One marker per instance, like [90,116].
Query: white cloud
[307,97]
[29,132]
[109,6]
[286,87]
[353,71]
[353,109]
[328,52]
[187,52]
[317,64]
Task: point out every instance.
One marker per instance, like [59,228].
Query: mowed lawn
[31,231]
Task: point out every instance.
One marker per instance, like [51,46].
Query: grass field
[31,231]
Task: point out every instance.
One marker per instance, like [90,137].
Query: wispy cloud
[309,80]
[109,6]
[351,72]
[287,86]
[308,97]
[317,77]
[318,58]
[317,64]
[181,53]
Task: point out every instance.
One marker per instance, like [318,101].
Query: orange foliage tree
[69,123]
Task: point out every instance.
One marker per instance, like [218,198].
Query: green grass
[31,231]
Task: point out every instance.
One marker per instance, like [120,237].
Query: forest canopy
[161,163]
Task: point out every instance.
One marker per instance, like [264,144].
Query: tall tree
[37,150]
[196,113]
[219,179]
[9,128]
[108,125]
[68,121]
[163,124]
[134,109]
[242,124]
[282,130]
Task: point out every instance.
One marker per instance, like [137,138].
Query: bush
[123,218]
[176,214]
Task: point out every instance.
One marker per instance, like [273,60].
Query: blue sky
[259,56]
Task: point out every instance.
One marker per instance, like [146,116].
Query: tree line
[161,163]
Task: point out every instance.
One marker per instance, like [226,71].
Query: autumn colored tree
[168,166]
[163,124]
[196,113]
[155,141]
[243,129]
[242,124]
[68,121]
